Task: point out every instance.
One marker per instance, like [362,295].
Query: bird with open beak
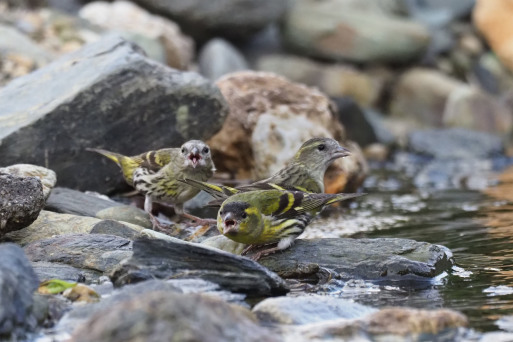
[156,174]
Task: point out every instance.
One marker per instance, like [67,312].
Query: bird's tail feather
[115,157]
[219,192]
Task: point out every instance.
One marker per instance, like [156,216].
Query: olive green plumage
[156,173]
[305,172]
[271,216]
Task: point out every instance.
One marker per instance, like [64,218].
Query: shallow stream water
[476,226]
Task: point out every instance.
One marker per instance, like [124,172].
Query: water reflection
[477,227]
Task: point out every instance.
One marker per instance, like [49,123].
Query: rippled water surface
[476,226]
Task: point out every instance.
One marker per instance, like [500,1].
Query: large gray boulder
[109,95]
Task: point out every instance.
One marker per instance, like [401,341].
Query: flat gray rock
[173,258]
[371,259]
[69,201]
[106,95]
[96,252]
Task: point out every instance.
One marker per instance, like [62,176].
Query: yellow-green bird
[156,173]
[305,172]
[262,217]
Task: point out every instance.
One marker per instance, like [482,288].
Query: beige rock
[270,117]
[473,109]
[493,19]
[48,177]
[334,80]
[49,224]
[421,95]
[126,16]
[376,152]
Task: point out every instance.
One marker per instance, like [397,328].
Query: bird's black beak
[230,224]
[341,152]
[194,157]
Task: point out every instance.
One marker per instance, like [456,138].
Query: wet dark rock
[21,200]
[308,309]
[52,270]
[346,34]
[167,316]
[50,224]
[455,143]
[156,258]
[17,284]
[379,259]
[237,19]
[218,57]
[355,121]
[96,252]
[117,86]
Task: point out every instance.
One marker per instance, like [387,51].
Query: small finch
[305,172]
[264,217]
[156,174]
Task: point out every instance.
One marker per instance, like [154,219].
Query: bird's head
[196,153]
[237,220]
[320,152]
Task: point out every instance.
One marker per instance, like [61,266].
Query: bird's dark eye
[321,147]
[205,150]
[244,215]
[221,212]
[183,149]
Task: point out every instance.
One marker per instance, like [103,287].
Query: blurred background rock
[380,69]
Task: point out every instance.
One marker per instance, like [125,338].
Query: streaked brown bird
[156,174]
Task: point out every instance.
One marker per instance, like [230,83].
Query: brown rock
[493,19]
[165,316]
[402,321]
[270,117]
[393,324]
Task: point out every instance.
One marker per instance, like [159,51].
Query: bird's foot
[259,254]
[159,226]
[199,220]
